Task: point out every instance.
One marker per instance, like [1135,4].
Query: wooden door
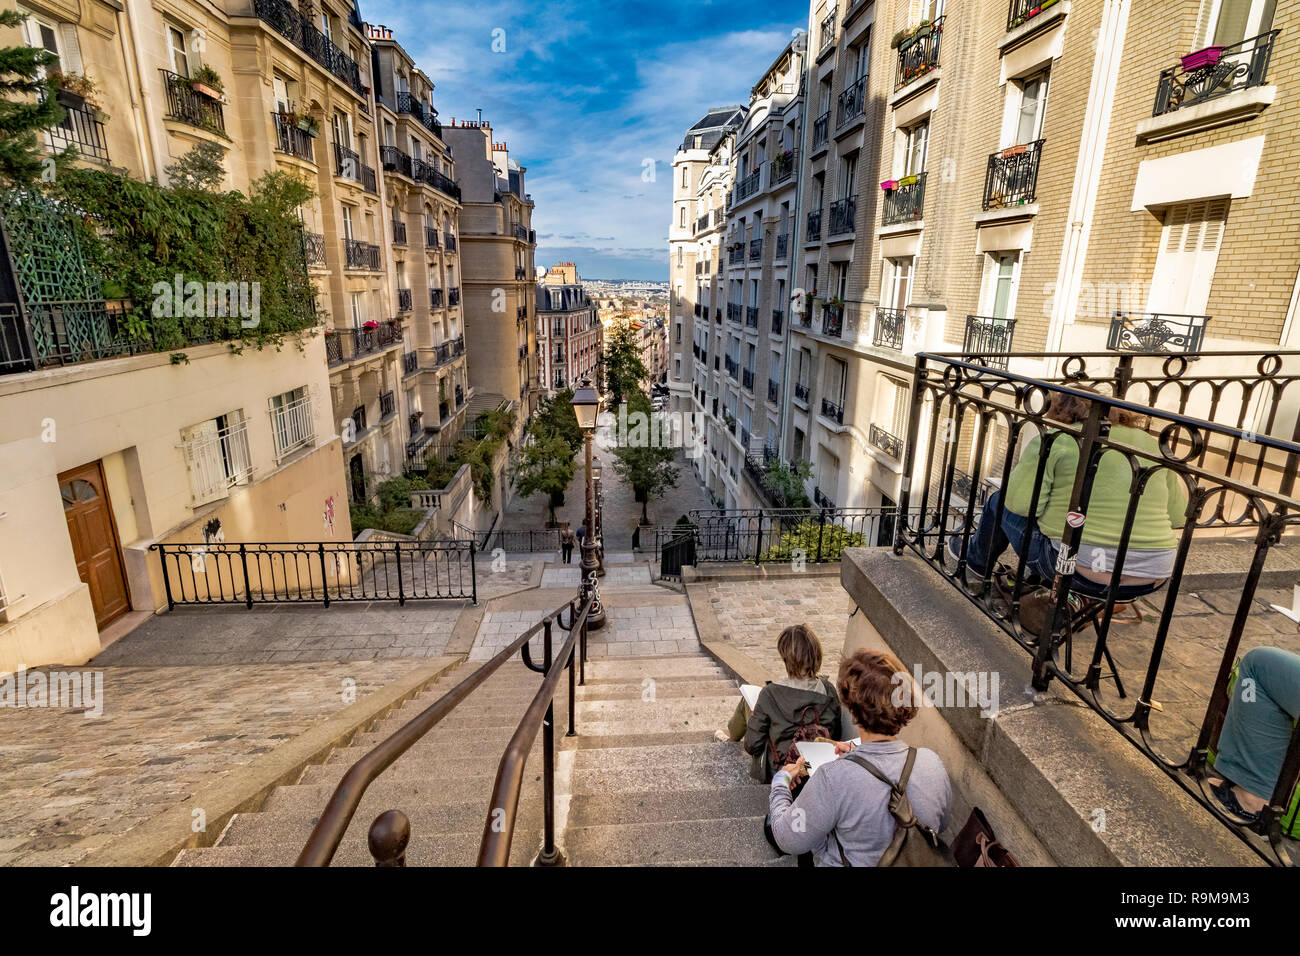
[94,540]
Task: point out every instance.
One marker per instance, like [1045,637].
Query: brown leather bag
[977,844]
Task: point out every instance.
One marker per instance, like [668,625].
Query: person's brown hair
[874,696]
[801,651]
[1073,409]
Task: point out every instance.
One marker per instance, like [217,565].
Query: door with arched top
[94,540]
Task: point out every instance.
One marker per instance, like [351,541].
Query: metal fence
[1236,475]
[781,535]
[310,572]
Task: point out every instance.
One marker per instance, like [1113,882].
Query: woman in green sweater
[1149,560]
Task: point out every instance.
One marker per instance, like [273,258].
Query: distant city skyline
[620,89]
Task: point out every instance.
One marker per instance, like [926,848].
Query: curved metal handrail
[390,831]
[499,827]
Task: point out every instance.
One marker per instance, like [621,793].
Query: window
[1232,21]
[892,406]
[681,219]
[686,177]
[347,222]
[837,376]
[358,310]
[291,422]
[898,283]
[1001,277]
[280,93]
[216,455]
[180,57]
[40,32]
[840,280]
[848,174]
[916,140]
[1189,251]
[1033,105]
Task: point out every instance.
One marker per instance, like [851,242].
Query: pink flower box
[371,325]
[889,184]
[1202,58]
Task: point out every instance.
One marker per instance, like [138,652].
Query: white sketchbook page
[750,693]
[815,754]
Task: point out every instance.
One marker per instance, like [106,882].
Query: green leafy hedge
[834,539]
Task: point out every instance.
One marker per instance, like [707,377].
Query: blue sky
[584,94]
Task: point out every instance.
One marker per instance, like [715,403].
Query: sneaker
[722,736]
[973,576]
[1223,792]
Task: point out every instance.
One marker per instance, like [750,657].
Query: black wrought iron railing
[1223,464]
[852,102]
[988,339]
[313,247]
[833,410]
[448,238]
[918,54]
[747,186]
[1020,12]
[905,202]
[411,105]
[887,442]
[889,329]
[361,255]
[393,160]
[821,131]
[66,332]
[1214,71]
[344,345]
[285,20]
[773,391]
[780,535]
[756,249]
[435,298]
[312,572]
[291,138]
[81,129]
[387,404]
[832,319]
[453,296]
[826,32]
[187,106]
[399,232]
[430,238]
[782,246]
[405,300]
[410,363]
[1156,332]
[842,215]
[814,231]
[801,391]
[751,316]
[783,167]
[1011,178]
[778,321]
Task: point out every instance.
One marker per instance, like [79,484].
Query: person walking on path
[566,546]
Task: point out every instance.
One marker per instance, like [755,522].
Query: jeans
[989,540]
[1262,713]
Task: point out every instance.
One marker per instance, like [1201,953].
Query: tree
[648,468]
[785,483]
[546,465]
[28,105]
[200,168]
[621,364]
[555,417]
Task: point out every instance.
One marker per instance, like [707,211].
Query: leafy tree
[555,417]
[546,466]
[28,105]
[813,538]
[650,470]
[621,363]
[200,168]
[785,483]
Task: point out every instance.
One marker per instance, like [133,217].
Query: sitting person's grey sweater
[843,805]
[842,799]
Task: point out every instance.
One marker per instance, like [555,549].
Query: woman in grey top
[842,805]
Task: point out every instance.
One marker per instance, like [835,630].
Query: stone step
[736,841]
[681,709]
[612,809]
[410,764]
[425,849]
[635,668]
[399,793]
[662,754]
[718,687]
[612,741]
[700,768]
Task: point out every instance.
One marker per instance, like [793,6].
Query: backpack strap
[900,808]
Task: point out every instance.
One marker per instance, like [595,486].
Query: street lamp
[597,497]
[586,408]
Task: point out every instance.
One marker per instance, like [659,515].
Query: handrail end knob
[389,835]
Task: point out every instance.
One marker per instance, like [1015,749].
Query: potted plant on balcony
[910,37]
[1200,59]
[309,125]
[1018,150]
[907,181]
[889,185]
[207,82]
[370,325]
[74,90]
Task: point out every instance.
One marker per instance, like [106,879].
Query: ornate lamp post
[586,407]
[597,497]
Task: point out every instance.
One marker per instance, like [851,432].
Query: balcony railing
[751,316]
[988,339]
[778,321]
[782,246]
[905,202]
[821,130]
[345,345]
[1222,478]
[412,106]
[361,255]
[404,300]
[814,231]
[801,391]
[399,232]
[187,106]
[747,378]
[891,445]
[832,320]
[453,296]
[833,410]
[700,225]
[290,139]
[430,238]
[783,167]
[1012,176]
[297,29]
[826,32]
[747,186]
[410,363]
[387,405]
[435,298]
[736,254]
[81,129]
[313,248]
[1213,72]
[756,249]
[449,239]
[843,212]
[890,328]
[292,427]
[919,54]
[733,311]
[1020,12]
[348,165]
[1156,332]
[393,160]
[64,333]
[852,102]
[773,391]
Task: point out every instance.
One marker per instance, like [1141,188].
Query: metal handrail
[389,837]
[499,827]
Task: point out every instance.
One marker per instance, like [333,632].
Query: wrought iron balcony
[521,273]
[313,248]
[833,410]
[393,160]
[988,339]
[435,298]
[919,53]
[826,32]
[81,129]
[843,212]
[773,391]
[891,445]
[404,300]
[747,378]
[756,249]
[412,106]
[736,254]
[821,130]
[852,102]
[782,246]
[430,238]
[832,320]
[783,167]
[399,232]
[778,321]
[361,255]
[387,405]
[905,202]
[801,391]
[700,225]
[747,187]
[284,19]
[345,345]
[1156,332]
[1213,72]
[291,139]
[410,363]
[449,239]
[890,328]
[814,231]
[187,106]
[65,332]
[1012,176]
[751,316]
[348,165]
[453,296]
[1022,11]
[430,175]
[460,395]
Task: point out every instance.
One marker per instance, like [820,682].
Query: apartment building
[422,202]
[702,179]
[570,337]
[497,245]
[951,204]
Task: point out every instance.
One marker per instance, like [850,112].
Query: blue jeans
[990,539]
[1261,716]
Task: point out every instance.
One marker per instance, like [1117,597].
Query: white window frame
[217,456]
[293,425]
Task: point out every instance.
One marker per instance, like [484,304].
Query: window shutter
[71,52]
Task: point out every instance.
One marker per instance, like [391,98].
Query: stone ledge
[1054,760]
[1232,107]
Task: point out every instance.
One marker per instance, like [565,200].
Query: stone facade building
[570,336]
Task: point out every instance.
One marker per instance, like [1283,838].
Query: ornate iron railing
[890,329]
[313,248]
[430,238]
[405,300]
[756,249]
[291,139]
[81,128]
[393,160]
[821,130]
[747,186]
[833,410]
[189,107]
[782,246]
[852,102]
[826,32]
[297,29]
[65,333]
[1011,178]
[1233,464]
[905,202]
[344,345]
[412,106]
[361,255]
[919,53]
[842,216]
[987,339]
[779,535]
[832,319]
[1213,72]
[814,231]
[1156,332]
[1022,11]
[890,444]
[399,232]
